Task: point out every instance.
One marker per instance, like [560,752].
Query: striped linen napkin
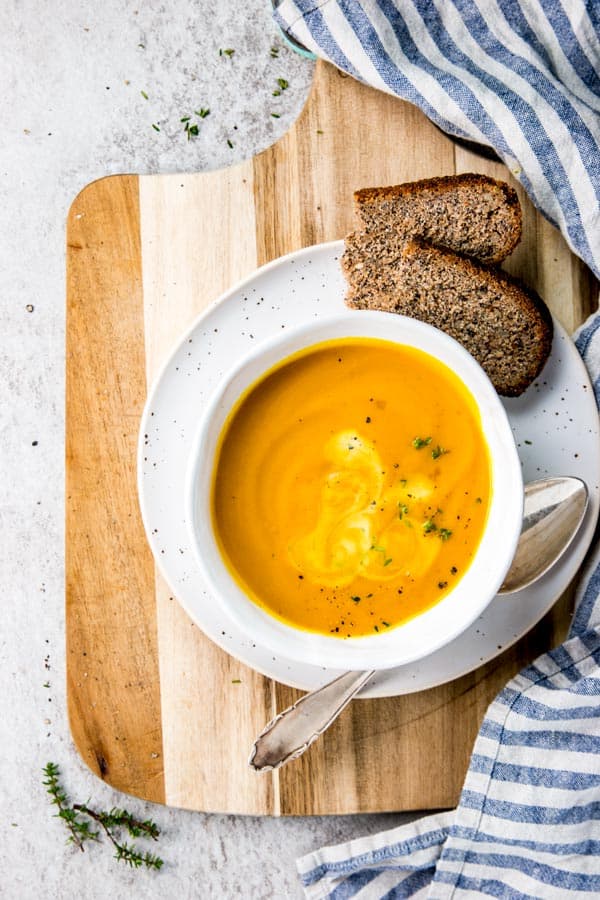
[528,819]
[523,78]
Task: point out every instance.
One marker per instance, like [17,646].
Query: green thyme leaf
[419,442]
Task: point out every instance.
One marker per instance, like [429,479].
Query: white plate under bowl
[555,423]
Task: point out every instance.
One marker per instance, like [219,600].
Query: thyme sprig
[77,818]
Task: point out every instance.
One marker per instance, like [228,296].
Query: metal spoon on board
[553,511]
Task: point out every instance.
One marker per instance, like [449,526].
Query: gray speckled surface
[72,110]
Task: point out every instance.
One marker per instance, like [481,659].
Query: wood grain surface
[150,703]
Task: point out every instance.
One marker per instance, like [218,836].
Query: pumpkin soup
[351,486]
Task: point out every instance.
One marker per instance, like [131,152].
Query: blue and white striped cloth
[528,819]
[523,78]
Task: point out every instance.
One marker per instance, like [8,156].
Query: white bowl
[439,624]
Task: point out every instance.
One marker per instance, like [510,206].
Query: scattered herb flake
[355,599]
[202,112]
[442,585]
[320,131]
[276,115]
[445,533]
[375,628]
[402,510]
[387,624]
[453,570]
[429,526]
[156,128]
[229,144]
[228,51]
[144,95]
[387,561]
[185,119]
[283,84]
[236,680]
[419,442]
[438,451]
[274,52]
[527,442]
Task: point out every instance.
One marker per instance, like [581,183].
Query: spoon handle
[292,732]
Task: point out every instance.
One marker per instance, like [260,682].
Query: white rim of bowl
[441,623]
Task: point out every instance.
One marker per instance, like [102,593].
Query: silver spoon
[553,511]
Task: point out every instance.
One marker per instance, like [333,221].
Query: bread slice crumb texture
[503,324]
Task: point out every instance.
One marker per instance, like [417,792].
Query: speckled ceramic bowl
[439,624]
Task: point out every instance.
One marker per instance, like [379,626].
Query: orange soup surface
[351,486]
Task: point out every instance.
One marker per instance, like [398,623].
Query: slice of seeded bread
[471,214]
[503,324]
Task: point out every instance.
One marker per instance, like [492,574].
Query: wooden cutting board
[152,707]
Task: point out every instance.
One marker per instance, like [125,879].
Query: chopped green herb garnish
[445,533]
[192,130]
[356,599]
[527,442]
[276,115]
[418,443]
[283,84]
[438,451]
[202,112]
[387,624]
[320,131]
[402,510]
[227,52]
[378,549]
[236,680]
[229,144]
[277,93]
[274,52]
[375,628]
[185,119]
[442,585]
[144,95]
[386,562]
[156,128]
[429,525]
